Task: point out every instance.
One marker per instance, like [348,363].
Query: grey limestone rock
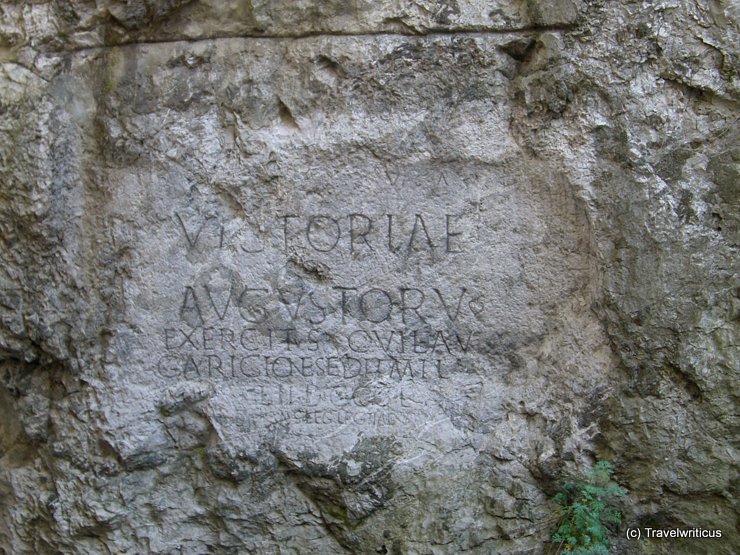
[365,276]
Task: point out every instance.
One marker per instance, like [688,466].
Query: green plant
[585,511]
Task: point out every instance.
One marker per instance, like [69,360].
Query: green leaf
[585,511]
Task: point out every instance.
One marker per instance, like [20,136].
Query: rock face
[364,277]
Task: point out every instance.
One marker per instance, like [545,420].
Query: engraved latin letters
[401,234]
[318,346]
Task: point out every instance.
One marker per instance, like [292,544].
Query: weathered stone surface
[68,24]
[364,277]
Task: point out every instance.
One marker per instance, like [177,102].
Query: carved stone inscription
[325,313]
[309,273]
[309,342]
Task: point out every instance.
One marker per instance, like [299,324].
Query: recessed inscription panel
[321,321]
[313,277]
